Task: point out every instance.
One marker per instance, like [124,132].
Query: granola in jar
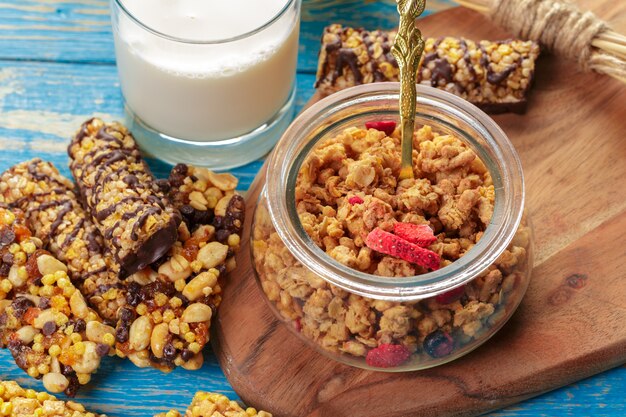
[352,206]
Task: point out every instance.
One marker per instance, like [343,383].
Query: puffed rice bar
[137,221]
[208,404]
[16,401]
[495,76]
[44,319]
[55,214]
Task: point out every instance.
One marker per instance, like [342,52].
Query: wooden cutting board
[572,322]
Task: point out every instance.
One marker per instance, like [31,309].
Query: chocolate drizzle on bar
[353,56]
[137,221]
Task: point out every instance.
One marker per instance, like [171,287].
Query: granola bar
[55,214]
[16,401]
[346,189]
[137,221]
[207,404]
[44,320]
[495,76]
[171,303]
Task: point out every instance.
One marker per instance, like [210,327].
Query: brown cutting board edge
[571,322]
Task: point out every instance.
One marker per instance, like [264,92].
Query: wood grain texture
[57,68]
[570,324]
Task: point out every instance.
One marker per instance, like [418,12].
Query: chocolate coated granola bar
[44,320]
[170,304]
[208,404]
[495,76]
[16,401]
[54,212]
[137,221]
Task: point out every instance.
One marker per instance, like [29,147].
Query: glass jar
[392,323]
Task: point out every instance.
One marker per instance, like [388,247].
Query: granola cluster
[208,404]
[347,189]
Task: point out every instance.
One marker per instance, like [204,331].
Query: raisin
[7,236]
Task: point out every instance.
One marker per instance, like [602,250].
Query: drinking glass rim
[244,35]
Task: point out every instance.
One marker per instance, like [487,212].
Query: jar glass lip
[500,158]
[263,26]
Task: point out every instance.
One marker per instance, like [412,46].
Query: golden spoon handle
[407,50]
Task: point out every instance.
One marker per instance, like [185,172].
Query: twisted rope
[562,28]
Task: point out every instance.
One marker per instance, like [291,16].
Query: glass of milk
[207,82]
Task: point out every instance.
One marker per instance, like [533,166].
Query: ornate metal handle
[407,50]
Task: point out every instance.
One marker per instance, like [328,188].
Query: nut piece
[139,336]
[26,334]
[44,317]
[89,361]
[158,339]
[78,305]
[97,331]
[212,254]
[55,382]
[197,313]
[49,265]
[195,288]
[225,181]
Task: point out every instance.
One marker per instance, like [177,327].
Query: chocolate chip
[8,258]
[7,236]
[169,351]
[121,334]
[20,305]
[4,270]
[49,327]
[186,355]
[80,326]
[126,314]
[44,303]
[222,235]
[102,349]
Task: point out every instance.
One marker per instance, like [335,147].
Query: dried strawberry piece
[298,324]
[387,356]
[450,296]
[393,245]
[420,234]
[355,200]
[387,126]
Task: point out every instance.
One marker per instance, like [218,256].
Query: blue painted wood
[56,69]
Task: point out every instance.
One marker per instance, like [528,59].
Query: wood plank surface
[570,324]
[57,68]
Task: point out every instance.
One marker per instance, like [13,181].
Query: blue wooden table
[57,68]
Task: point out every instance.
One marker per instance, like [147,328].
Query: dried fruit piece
[387,126]
[355,200]
[393,245]
[438,344]
[387,356]
[450,296]
[420,234]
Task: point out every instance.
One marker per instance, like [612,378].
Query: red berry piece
[387,356]
[387,126]
[298,324]
[355,200]
[438,344]
[451,296]
[420,234]
[393,245]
